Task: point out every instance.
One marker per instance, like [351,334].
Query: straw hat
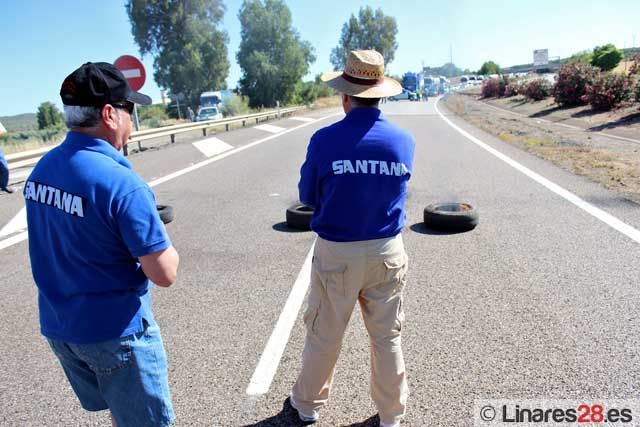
[363,76]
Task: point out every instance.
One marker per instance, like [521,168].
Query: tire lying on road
[299,216]
[166,213]
[451,216]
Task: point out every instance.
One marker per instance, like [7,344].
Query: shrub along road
[539,301]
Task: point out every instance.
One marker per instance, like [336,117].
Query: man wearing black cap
[95,242]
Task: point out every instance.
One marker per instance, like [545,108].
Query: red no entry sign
[133,71]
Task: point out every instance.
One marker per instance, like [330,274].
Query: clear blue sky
[42,41]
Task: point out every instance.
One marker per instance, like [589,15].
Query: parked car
[406,94]
[208,113]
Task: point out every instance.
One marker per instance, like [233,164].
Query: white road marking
[18,223]
[230,153]
[20,237]
[129,74]
[302,119]
[598,213]
[269,128]
[13,240]
[212,146]
[270,359]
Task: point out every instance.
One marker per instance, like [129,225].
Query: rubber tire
[439,219]
[299,216]
[166,213]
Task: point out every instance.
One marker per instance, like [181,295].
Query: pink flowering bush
[493,88]
[607,91]
[572,83]
[538,89]
[512,89]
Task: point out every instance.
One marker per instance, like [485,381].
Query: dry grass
[332,101]
[615,169]
[29,144]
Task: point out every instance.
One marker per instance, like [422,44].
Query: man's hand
[161,267]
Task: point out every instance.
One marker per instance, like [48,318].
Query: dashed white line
[17,223]
[212,146]
[302,119]
[270,128]
[270,359]
[603,216]
[23,236]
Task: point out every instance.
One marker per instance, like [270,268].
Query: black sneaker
[304,419]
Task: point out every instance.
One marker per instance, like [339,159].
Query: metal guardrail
[31,157]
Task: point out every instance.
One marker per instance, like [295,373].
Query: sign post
[134,72]
[540,57]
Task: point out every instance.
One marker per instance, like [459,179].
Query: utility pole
[450,53]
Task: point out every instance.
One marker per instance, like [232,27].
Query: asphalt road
[539,301]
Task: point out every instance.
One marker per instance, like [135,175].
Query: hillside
[21,122]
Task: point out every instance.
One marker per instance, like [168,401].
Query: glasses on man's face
[124,106]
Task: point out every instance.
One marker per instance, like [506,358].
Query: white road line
[270,359]
[20,237]
[269,128]
[18,223]
[231,152]
[302,119]
[212,146]
[603,216]
[13,240]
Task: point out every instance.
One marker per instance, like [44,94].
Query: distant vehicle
[444,84]
[432,85]
[411,81]
[464,80]
[406,94]
[210,99]
[208,113]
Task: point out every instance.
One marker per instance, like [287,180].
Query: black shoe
[301,419]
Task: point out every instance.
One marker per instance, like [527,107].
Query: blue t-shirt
[355,176]
[89,218]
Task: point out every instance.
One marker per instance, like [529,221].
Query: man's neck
[95,133]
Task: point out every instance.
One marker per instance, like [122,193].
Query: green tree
[489,67]
[447,70]
[49,116]
[272,57]
[370,30]
[606,57]
[189,50]
[584,57]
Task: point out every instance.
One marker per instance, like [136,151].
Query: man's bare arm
[161,267]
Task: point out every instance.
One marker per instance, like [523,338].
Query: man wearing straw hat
[355,176]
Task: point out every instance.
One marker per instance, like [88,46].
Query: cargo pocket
[396,271]
[332,278]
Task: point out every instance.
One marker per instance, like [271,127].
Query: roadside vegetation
[585,79]
[189,46]
[592,92]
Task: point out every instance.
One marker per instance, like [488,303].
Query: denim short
[126,375]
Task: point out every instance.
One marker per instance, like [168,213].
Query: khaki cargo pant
[373,273]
